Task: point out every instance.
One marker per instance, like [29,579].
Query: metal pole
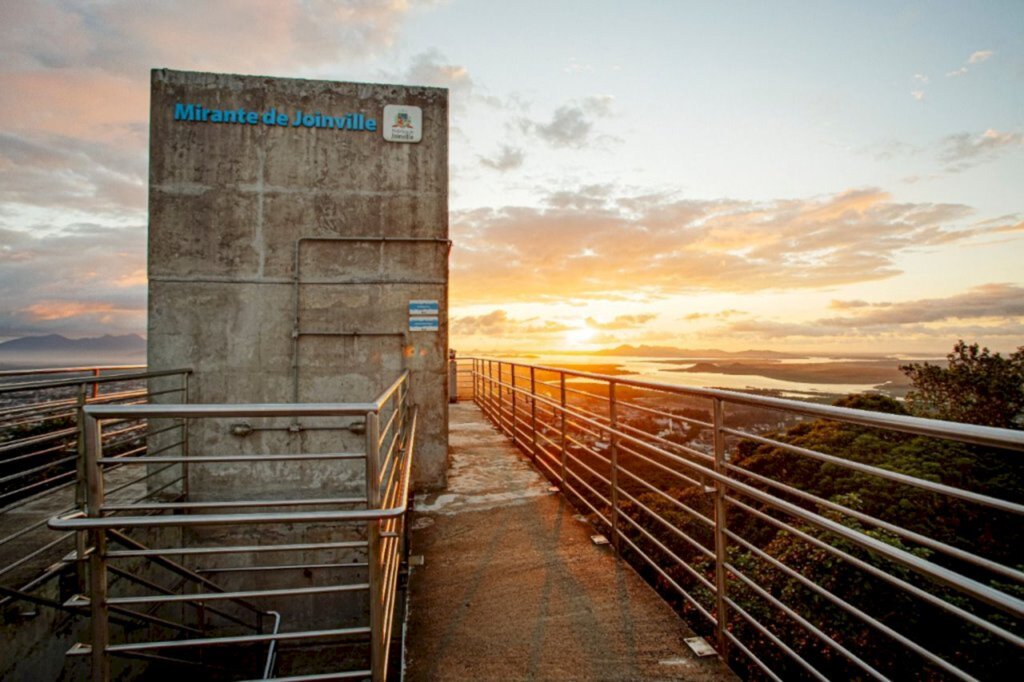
[184,437]
[721,620]
[533,414]
[98,608]
[501,401]
[81,493]
[490,388]
[453,377]
[562,429]
[373,559]
[614,452]
[512,392]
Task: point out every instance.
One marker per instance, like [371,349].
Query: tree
[978,387]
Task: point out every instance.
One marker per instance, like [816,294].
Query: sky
[800,176]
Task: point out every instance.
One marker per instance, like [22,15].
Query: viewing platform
[512,587]
[590,527]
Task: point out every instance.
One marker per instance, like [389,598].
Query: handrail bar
[59,383]
[966,433]
[761,499]
[383,512]
[272,649]
[78,520]
[389,391]
[65,370]
[172,411]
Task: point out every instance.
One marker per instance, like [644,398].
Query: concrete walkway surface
[512,588]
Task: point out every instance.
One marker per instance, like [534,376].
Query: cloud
[586,197]
[571,126]
[498,323]
[575,66]
[917,95]
[991,310]
[597,243]
[720,315]
[75,65]
[119,35]
[989,300]
[56,171]
[432,68]
[847,305]
[921,78]
[622,322]
[101,283]
[74,78]
[975,58]
[965,150]
[508,159]
[887,150]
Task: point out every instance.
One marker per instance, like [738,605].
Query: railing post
[490,389]
[184,438]
[512,395]
[95,384]
[373,558]
[561,383]
[614,452]
[453,377]
[533,414]
[500,414]
[81,492]
[98,607]
[720,553]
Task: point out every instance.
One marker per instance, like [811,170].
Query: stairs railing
[210,512]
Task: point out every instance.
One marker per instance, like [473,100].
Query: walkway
[512,588]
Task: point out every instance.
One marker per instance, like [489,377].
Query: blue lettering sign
[184,112]
[423,308]
[197,113]
[423,324]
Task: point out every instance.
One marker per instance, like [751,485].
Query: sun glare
[578,337]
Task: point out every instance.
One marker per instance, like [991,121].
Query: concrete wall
[263,317]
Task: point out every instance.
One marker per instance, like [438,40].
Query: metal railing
[375,519]
[40,448]
[755,535]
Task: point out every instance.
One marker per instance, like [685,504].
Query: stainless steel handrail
[531,404]
[966,433]
[66,370]
[41,433]
[386,503]
[90,380]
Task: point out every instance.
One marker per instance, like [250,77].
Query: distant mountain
[672,352]
[54,350]
[55,343]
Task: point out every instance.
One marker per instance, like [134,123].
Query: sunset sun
[579,337]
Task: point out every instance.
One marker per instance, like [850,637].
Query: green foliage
[953,521]
[978,387]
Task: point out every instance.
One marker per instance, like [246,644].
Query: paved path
[513,589]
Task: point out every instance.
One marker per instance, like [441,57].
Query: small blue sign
[424,308]
[423,324]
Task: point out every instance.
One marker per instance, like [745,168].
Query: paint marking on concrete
[700,646]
